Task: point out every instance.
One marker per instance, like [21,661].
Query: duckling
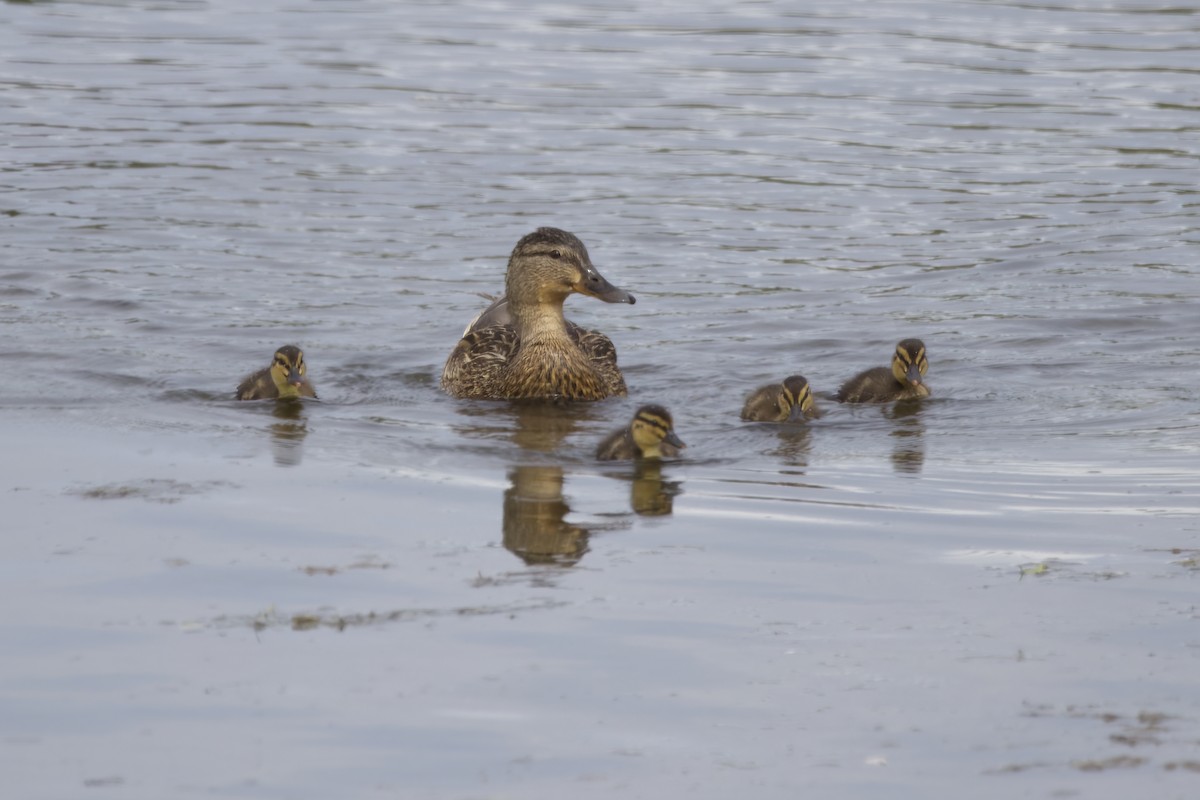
[649,435]
[790,401]
[522,347]
[284,378]
[904,380]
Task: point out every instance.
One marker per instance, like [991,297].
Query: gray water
[392,593]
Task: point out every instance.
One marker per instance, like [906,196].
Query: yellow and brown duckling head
[651,434]
[549,264]
[790,401]
[288,370]
[909,366]
[286,377]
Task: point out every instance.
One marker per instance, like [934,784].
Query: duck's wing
[596,345]
[869,386]
[478,360]
[602,353]
[763,405]
[495,314]
[617,446]
[257,386]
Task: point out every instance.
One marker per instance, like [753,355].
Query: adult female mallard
[790,401]
[904,380]
[522,347]
[284,378]
[650,435]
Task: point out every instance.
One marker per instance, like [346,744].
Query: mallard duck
[284,378]
[649,435]
[790,401]
[522,347]
[904,380]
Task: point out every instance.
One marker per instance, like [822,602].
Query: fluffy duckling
[284,378]
[904,380]
[649,435]
[790,401]
[522,347]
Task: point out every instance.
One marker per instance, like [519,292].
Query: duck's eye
[556,255]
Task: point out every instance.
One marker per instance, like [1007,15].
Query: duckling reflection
[649,494]
[535,526]
[287,435]
[795,443]
[908,442]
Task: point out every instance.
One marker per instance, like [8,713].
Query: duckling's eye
[556,255]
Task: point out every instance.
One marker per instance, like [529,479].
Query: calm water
[391,593]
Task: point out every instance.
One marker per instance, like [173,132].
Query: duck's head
[909,365]
[651,427]
[549,264]
[287,371]
[796,396]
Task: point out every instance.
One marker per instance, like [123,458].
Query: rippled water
[393,593]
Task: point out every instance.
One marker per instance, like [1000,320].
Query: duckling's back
[875,385]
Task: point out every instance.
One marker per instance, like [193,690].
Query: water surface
[394,593]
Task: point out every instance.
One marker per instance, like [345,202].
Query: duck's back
[763,405]
[875,385]
[478,362]
[617,446]
[257,386]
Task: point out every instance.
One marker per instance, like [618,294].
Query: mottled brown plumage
[284,378]
[522,347]
[904,380]
[650,435]
[790,401]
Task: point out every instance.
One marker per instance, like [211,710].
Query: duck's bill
[596,285]
[672,439]
[913,373]
[295,378]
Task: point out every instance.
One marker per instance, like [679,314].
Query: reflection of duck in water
[790,401]
[534,426]
[285,378]
[287,435]
[535,528]
[522,346]
[908,446]
[649,435]
[649,494]
[904,380]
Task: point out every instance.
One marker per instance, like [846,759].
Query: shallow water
[393,593]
